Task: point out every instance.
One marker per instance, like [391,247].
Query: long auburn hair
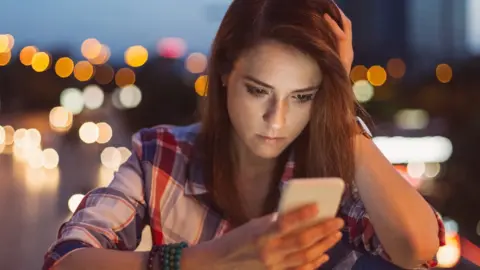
[325,147]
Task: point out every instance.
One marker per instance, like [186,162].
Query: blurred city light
[412,119]
[7,42]
[26,55]
[201,85]
[60,119]
[50,158]
[5,58]
[130,96]
[88,132]
[400,150]
[358,73]
[444,73]
[124,77]
[396,68]
[64,67]
[91,48]
[377,75]
[9,135]
[83,71]
[41,61]
[363,91]
[72,100]
[136,56]
[75,201]
[102,57]
[111,158]
[104,133]
[104,74]
[171,47]
[93,97]
[196,63]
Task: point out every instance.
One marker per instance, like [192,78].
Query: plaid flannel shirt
[161,185]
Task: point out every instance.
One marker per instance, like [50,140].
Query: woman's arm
[197,257]
[404,222]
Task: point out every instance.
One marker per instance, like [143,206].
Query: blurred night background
[78,78]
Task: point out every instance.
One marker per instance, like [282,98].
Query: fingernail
[338,235]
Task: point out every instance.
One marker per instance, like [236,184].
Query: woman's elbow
[417,252]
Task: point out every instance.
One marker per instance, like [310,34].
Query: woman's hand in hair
[344,39]
[283,243]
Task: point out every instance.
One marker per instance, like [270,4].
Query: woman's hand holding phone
[284,243]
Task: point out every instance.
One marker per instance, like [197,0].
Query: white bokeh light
[72,100]
[74,201]
[93,97]
[363,91]
[130,96]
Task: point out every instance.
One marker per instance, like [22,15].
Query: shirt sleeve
[111,217]
[361,232]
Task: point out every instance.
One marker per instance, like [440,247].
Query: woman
[279,106]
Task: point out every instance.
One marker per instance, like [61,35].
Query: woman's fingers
[312,254]
[294,219]
[339,33]
[282,246]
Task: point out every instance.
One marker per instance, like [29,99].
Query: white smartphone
[325,192]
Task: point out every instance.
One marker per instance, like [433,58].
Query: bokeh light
[50,158]
[105,133]
[124,77]
[75,201]
[410,119]
[171,47]
[136,56]
[130,96]
[91,48]
[72,100]
[201,85]
[26,55]
[376,75]
[64,67]
[358,73]
[363,91]
[104,74]
[88,132]
[60,119]
[9,132]
[7,42]
[41,61]
[93,97]
[196,63]
[396,68]
[2,135]
[444,73]
[111,158]
[5,58]
[83,71]
[102,57]
[35,158]
[125,153]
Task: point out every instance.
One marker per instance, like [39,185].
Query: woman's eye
[256,91]
[304,97]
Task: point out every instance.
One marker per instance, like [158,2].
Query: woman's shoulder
[165,140]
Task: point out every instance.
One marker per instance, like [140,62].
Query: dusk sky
[118,23]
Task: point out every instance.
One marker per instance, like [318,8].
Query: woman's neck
[250,167]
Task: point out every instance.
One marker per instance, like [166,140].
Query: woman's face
[270,92]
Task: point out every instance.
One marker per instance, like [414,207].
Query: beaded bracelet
[169,258]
